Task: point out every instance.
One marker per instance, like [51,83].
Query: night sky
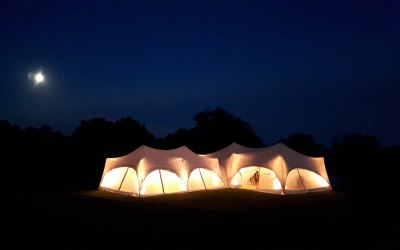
[322,68]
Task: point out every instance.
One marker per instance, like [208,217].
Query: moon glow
[38,77]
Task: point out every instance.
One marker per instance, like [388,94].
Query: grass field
[227,219]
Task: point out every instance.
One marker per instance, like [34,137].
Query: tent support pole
[162,183]
[283,185]
[201,175]
[228,177]
[123,179]
[301,179]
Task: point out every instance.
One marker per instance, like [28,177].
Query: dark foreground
[226,219]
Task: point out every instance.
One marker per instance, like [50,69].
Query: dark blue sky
[323,68]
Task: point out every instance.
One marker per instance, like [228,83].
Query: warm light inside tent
[216,181]
[122,179]
[245,177]
[142,169]
[276,184]
[143,191]
[129,183]
[303,179]
[195,181]
[184,183]
[162,182]
[171,182]
[183,172]
[256,178]
[268,180]
[113,178]
[153,172]
[211,179]
[183,187]
[109,179]
[235,181]
[321,182]
[202,178]
[151,184]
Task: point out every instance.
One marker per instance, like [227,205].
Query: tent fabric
[280,159]
[256,178]
[144,162]
[224,154]
[273,169]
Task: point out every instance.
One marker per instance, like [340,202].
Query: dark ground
[227,219]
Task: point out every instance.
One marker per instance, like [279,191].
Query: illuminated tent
[223,155]
[274,169]
[148,171]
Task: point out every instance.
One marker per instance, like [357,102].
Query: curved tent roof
[223,155]
[279,158]
[180,161]
[305,173]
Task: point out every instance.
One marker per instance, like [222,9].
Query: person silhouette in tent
[254,178]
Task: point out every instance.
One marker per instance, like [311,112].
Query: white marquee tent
[148,171]
[275,169]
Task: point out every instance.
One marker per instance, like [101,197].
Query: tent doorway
[256,178]
[122,179]
[202,179]
[302,180]
[162,181]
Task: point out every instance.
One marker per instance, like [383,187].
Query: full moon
[38,77]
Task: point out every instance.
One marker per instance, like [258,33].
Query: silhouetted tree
[47,159]
[98,133]
[389,166]
[92,142]
[11,153]
[10,134]
[214,130]
[97,139]
[180,138]
[39,155]
[305,144]
[354,159]
[131,134]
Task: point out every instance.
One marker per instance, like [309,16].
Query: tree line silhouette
[43,159]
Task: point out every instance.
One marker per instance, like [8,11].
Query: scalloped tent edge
[275,169]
